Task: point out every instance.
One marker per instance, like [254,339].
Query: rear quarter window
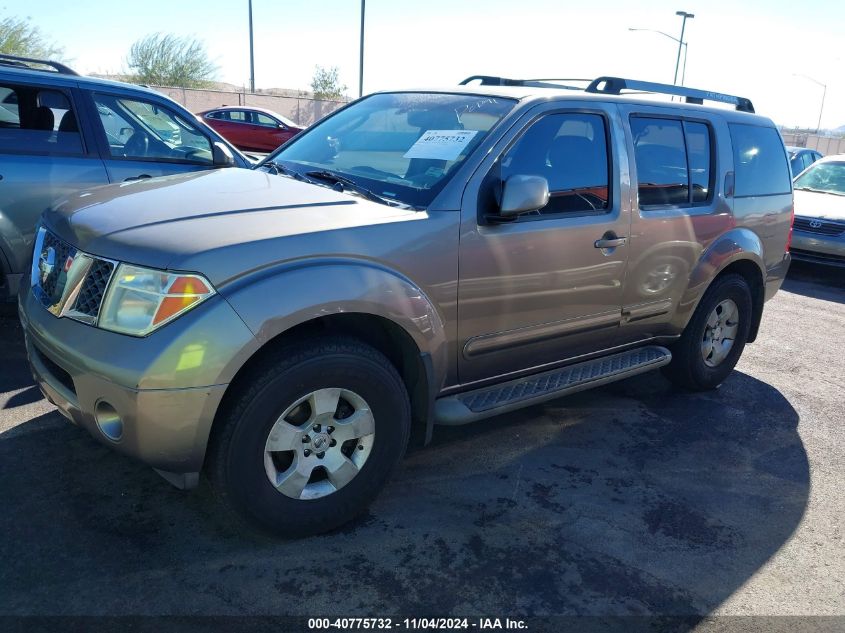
[760,161]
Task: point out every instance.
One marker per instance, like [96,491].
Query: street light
[361,53]
[674,39]
[824,94]
[684,15]
[251,56]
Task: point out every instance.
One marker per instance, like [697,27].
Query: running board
[470,406]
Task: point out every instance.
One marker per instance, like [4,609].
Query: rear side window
[673,159]
[759,161]
[37,120]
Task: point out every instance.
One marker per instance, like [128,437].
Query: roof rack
[489,80]
[23,62]
[614,86]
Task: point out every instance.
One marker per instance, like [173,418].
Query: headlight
[140,300]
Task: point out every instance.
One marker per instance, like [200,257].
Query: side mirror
[222,155]
[521,194]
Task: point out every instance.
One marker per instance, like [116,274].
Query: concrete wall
[300,110]
[825,144]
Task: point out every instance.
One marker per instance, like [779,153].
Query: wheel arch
[415,366]
[738,251]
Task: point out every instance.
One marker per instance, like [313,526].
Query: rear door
[143,138]
[44,156]
[541,289]
[680,206]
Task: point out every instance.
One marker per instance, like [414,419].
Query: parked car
[416,258]
[251,129]
[800,158]
[820,213]
[60,133]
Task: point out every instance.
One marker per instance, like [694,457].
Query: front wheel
[713,340]
[311,437]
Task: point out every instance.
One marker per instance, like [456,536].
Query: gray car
[416,258]
[61,133]
[819,231]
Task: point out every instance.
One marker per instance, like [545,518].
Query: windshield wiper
[280,169]
[833,193]
[347,183]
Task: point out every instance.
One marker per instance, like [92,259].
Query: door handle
[610,241]
[140,177]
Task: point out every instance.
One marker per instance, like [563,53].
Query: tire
[242,457]
[689,367]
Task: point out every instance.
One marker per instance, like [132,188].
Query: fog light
[108,421]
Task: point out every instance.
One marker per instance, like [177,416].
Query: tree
[326,84]
[168,60]
[19,37]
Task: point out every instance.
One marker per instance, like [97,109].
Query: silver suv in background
[416,258]
[60,133]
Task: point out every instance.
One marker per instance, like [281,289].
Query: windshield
[400,146]
[827,177]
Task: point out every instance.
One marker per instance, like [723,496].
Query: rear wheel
[713,340]
[311,438]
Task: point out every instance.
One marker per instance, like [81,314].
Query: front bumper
[153,398]
[818,249]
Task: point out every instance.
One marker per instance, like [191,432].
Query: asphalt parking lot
[633,499]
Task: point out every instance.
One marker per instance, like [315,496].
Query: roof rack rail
[14,60]
[614,86]
[490,80]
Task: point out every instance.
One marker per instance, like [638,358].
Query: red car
[251,129]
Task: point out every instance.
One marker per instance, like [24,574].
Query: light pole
[361,53]
[251,55]
[674,39]
[824,94]
[684,15]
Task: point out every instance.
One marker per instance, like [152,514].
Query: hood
[168,222]
[827,206]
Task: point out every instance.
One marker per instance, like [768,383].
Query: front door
[542,288]
[142,138]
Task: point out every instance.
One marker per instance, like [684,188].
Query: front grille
[817,257]
[819,227]
[50,284]
[57,264]
[93,288]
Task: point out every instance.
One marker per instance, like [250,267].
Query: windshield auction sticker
[441,144]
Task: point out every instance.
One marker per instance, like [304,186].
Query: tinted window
[698,151]
[144,130]
[236,115]
[661,160]
[759,161]
[37,120]
[570,152]
[674,161]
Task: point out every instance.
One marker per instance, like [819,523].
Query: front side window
[569,150]
[400,146]
[37,120]
[759,161]
[263,119]
[143,130]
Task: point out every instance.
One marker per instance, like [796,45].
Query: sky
[761,49]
